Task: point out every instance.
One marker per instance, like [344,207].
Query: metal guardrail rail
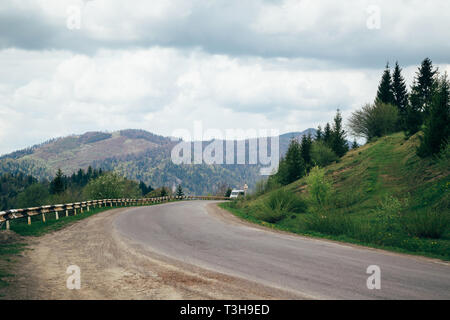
[79,207]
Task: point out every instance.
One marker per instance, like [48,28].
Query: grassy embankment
[383,196]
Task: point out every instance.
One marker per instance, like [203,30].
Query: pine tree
[424,86]
[413,119]
[305,150]
[58,184]
[338,141]
[164,192]
[319,134]
[292,166]
[355,144]
[327,135]
[385,93]
[437,129]
[180,192]
[400,94]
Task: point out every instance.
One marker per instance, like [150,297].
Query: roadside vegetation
[391,193]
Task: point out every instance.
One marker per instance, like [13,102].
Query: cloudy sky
[67,67]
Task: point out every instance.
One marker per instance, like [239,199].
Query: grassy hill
[383,195]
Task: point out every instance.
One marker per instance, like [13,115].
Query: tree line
[22,191]
[424,108]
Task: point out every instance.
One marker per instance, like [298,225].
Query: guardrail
[79,207]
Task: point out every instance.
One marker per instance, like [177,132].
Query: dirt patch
[8,236]
[113,267]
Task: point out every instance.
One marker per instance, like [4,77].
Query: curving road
[199,233]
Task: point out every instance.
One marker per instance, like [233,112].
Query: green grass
[383,196]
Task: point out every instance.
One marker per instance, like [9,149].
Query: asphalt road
[194,233]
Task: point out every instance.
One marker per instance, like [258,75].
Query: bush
[318,186]
[330,223]
[112,186]
[322,155]
[431,223]
[33,196]
[278,205]
[376,120]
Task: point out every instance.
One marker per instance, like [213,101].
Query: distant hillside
[137,154]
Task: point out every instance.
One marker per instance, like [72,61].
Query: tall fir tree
[305,149]
[180,192]
[385,93]
[437,125]
[338,142]
[400,94]
[319,134]
[58,184]
[424,86]
[327,135]
[292,166]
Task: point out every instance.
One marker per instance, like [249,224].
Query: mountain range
[138,155]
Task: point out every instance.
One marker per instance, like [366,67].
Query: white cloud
[162,65]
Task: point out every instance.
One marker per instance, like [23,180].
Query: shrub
[335,223]
[278,205]
[322,155]
[431,223]
[285,201]
[112,186]
[318,186]
[376,120]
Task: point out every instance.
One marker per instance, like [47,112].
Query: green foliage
[436,132]
[321,154]
[367,204]
[58,184]
[305,150]
[180,192]
[375,120]
[424,86]
[228,192]
[34,195]
[292,166]
[429,223]
[385,93]
[400,93]
[111,186]
[421,97]
[319,187]
[278,205]
[330,223]
[338,136]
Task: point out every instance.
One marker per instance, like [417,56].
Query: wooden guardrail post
[7,224]
[29,220]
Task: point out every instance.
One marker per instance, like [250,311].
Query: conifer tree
[305,150]
[384,93]
[400,94]
[424,86]
[319,134]
[437,129]
[338,139]
[58,184]
[327,135]
[180,192]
